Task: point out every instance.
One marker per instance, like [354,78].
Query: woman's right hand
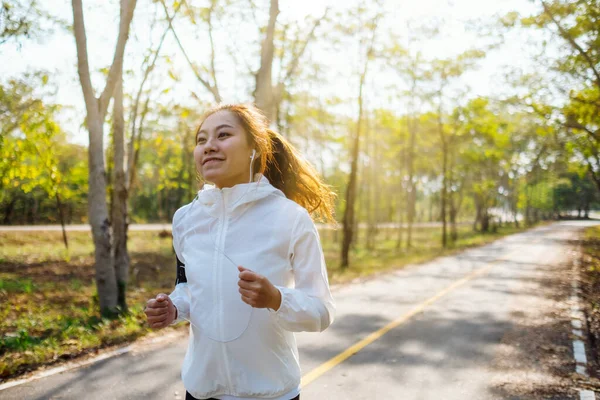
[160,311]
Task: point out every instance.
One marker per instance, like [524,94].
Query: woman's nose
[210,146]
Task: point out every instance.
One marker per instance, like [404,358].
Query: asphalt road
[451,315]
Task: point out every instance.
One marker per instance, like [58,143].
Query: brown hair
[281,163]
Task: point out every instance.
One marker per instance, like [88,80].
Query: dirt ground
[590,293]
[537,356]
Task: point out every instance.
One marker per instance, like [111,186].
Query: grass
[426,245]
[590,276]
[49,304]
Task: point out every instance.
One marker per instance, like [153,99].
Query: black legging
[188,396]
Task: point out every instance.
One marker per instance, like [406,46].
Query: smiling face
[222,152]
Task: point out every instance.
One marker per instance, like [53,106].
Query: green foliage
[166,171]
[577,25]
[34,154]
[21,19]
[575,191]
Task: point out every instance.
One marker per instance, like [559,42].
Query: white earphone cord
[210,227]
[252,163]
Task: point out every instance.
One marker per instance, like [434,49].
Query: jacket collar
[215,200]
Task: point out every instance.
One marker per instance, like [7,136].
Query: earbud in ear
[253,154]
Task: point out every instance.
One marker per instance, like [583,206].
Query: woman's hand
[160,311]
[258,291]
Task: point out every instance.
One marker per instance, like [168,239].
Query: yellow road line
[355,348]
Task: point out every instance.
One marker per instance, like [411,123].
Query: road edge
[578,328]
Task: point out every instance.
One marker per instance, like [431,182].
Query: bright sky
[56,53]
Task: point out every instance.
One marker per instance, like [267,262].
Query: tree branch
[595,176]
[595,103]
[83,67]
[204,82]
[296,59]
[139,95]
[138,146]
[572,42]
[127,8]
[570,124]
[576,125]
[213,72]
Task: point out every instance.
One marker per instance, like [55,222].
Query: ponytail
[297,179]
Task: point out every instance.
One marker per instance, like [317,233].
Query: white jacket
[235,349]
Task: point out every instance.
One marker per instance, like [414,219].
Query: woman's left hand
[258,291]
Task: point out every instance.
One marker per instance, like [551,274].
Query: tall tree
[577,25]
[409,65]
[96,109]
[348,221]
[443,72]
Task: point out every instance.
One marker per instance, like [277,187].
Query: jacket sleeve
[308,306]
[180,295]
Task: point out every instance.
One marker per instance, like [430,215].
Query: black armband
[181,278]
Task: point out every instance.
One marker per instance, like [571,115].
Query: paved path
[451,315]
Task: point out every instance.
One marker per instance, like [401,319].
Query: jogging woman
[250,267]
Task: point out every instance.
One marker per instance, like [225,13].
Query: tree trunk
[369,179]
[376,198]
[454,203]
[8,211]
[61,215]
[268,96]
[444,194]
[106,281]
[453,213]
[411,192]
[33,210]
[349,219]
[528,207]
[515,202]
[119,210]
[411,122]
[431,208]
[263,95]
[485,221]
[478,207]
[400,222]
[96,108]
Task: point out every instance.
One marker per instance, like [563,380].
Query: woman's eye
[224,134]
[200,140]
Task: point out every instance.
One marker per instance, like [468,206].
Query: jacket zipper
[225,223]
